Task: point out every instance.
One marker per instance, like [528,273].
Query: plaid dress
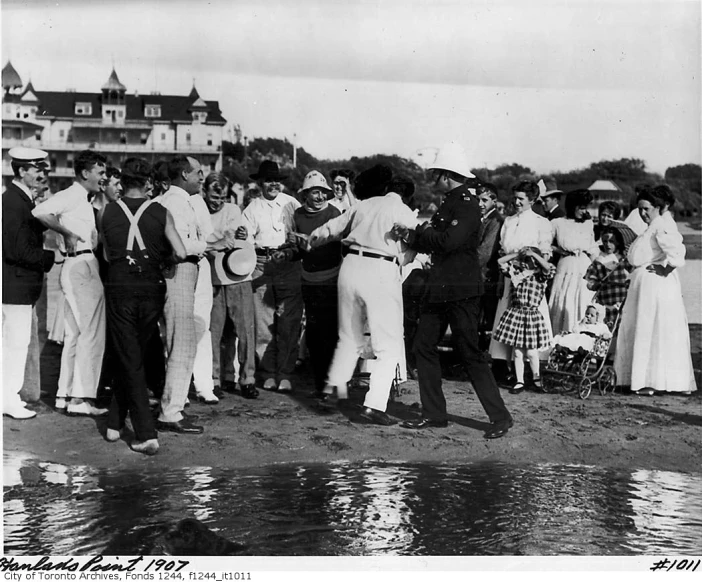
[522,325]
[611,286]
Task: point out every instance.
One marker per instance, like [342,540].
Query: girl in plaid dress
[522,325]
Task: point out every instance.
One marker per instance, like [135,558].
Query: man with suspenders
[140,237]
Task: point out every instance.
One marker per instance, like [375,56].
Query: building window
[212,166]
[123,138]
[120,113]
[209,139]
[62,133]
[163,137]
[152,111]
[37,135]
[188,137]
[84,109]
[199,116]
[69,161]
[26,115]
[144,137]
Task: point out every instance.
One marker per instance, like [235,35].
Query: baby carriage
[568,370]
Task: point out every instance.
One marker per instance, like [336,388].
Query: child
[584,334]
[608,274]
[522,325]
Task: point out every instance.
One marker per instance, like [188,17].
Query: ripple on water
[357,509]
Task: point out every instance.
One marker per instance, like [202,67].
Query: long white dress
[526,229]
[569,293]
[653,347]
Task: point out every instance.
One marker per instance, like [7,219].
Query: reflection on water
[357,509]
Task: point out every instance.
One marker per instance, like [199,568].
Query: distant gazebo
[603,190]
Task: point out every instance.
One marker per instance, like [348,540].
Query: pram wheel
[584,388]
[608,380]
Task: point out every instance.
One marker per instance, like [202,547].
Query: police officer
[453,294]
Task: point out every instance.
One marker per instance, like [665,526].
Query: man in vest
[139,237]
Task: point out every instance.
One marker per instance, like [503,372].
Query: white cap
[28,155]
[452,157]
[314,179]
[234,265]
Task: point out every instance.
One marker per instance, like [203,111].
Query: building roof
[10,77]
[174,108]
[604,185]
[113,83]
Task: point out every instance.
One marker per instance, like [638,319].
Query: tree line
[627,173]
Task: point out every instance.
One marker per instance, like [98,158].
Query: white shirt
[177,201]
[526,229]
[270,221]
[660,244]
[367,225]
[575,237]
[74,212]
[204,222]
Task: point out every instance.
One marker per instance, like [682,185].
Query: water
[352,509]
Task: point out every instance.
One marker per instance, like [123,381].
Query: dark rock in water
[191,537]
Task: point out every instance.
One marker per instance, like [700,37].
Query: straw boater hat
[314,179]
[236,264]
[452,157]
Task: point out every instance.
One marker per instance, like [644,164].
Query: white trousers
[84,339]
[16,335]
[370,291]
[202,370]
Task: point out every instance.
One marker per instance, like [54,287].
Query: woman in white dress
[574,241]
[521,230]
[653,347]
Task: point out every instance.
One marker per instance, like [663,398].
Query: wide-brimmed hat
[314,179]
[235,264]
[452,157]
[373,182]
[268,170]
[554,193]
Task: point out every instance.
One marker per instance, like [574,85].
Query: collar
[463,191]
[176,191]
[80,186]
[22,186]
[489,213]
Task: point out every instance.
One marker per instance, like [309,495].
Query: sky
[553,85]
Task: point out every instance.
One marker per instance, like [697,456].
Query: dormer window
[152,111]
[84,109]
[199,116]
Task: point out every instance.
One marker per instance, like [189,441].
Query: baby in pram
[582,338]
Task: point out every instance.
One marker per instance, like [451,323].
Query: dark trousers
[132,322]
[321,330]
[462,316]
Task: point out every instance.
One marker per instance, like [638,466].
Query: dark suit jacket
[490,245]
[452,238]
[24,260]
[557,212]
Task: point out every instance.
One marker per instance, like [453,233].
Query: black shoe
[206,399]
[424,423]
[249,391]
[377,417]
[499,429]
[518,388]
[184,426]
[218,392]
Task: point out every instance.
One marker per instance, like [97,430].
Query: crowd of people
[173,289]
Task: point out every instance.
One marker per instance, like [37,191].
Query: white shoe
[149,447]
[269,384]
[85,409]
[60,404]
[20,413]
[113,435]
[285,386]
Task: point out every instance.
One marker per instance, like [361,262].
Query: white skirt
[653,345]
[500,351]
[569,293]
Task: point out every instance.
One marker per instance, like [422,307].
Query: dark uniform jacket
[490,245]
[557,212]
[452,239]
[24,260]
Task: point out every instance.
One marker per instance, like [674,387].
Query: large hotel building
[111,121]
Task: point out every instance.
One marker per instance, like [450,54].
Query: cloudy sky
[551,84]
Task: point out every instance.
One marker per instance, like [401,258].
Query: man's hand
[278,256]
[399,232]
[71,241]
[241,233]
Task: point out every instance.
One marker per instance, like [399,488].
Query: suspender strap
[134,232]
